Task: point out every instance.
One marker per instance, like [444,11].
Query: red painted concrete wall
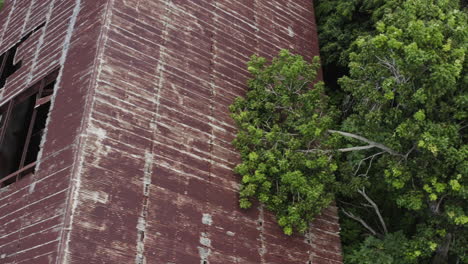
[137,161]
[33,210]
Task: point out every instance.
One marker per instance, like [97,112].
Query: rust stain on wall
[136,162]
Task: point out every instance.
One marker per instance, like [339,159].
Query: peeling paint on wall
[136,165]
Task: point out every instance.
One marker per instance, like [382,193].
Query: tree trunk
[441,254]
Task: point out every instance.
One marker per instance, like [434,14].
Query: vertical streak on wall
[141,227]
[41,40]
[149,157]
[51,5]
[58,84]
[261,222]
[75,183]
[157,96]
[28,14]
[205,249]
[74,190]
[5,26]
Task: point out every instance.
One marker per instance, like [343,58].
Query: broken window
[7,59]
[22,124]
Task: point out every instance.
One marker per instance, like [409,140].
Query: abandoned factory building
[115,135]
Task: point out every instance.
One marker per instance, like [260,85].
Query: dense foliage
[395,156]
[279,119]
[406,87]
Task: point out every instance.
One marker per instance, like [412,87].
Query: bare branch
[440,202]
[409,152]
[393,68]
[370,142]
[340,150]
[435,206]
[360,220]
[314,151]
[376,209]
[370,157]
[370,163]
[355,148]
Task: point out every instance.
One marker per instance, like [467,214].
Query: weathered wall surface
[33,210]
[156,181]
[137,163]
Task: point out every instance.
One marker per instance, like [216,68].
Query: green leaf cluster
[405,86]
[282,117]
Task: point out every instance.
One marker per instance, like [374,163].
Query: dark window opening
[22,124]
[16,131]
[7,59]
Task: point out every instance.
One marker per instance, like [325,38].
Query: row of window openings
[22,124]
[22,119]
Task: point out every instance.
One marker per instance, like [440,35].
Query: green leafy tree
[396,159]
[407,83]
[280,118]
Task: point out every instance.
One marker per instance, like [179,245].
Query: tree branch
[314,151]
[393,68]
[355,148]
[361,221]
[376,209]
[370,142]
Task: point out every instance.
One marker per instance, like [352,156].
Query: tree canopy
[387,140]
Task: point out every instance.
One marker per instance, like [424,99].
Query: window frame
[6,110]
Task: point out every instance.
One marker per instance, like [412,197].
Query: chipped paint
[204,240]
[95,196]
[262,250]
[207,220]
[291,32]
[142,223]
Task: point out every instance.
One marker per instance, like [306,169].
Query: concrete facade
[136,161]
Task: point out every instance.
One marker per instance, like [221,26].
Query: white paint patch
[229,233]
[92,226]
[207,220]
[204,240]
[97,197]
[308,237]
[204,254]
[99,132]
[99,148]
[291,32]
[205,250]
[32,187]
[149,159]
